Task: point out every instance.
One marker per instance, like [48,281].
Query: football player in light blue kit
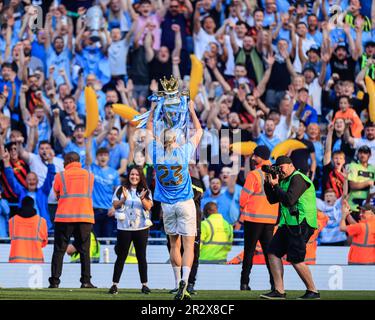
[174,191]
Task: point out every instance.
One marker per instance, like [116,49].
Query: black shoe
[244,287]
[273,295]
[310,295]
[145,289]
[181,291]
[88,285]
[113,290]
[53,286]
[190,289]
[173,291]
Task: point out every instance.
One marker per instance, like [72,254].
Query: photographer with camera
[257,214]
[298,218]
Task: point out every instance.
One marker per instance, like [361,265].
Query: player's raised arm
[196,138]
[150,124]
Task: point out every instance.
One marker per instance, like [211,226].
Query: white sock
[185,273]
[177,275]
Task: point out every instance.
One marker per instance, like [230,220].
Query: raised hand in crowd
[33,122]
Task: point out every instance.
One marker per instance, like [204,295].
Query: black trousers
[124,239]
[52,212]
[252,233]
[63,231]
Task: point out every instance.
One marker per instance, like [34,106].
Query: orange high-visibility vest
[254,205]
[73,188]
[28,237]
[362,249]
[312,244]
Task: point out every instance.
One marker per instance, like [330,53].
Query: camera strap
[288,226]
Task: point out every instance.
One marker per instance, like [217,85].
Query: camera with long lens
[273,170]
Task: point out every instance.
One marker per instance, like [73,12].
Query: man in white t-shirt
[118,52]
[368,140]
[239,30]
[315,84]
[306,45]
[38,162]
[284,125]
[203,36]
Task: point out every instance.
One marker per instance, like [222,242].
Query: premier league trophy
[94,18]
[171,111]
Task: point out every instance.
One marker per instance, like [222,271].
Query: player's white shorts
[180,218]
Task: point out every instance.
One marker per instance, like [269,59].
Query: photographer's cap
[262,152]
[283,160]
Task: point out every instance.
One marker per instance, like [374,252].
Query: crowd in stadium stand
[273,70]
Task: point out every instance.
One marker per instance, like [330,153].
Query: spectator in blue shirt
[106,181]
[59,58]
[77,142]
[313,27]
[92,58]
[268,137]
[40,195]
[10,79]
[282,31]
[227,199]
[118,151]
[38,47]
[4,217]
[304,111]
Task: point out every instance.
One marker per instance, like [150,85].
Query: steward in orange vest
[74,216]
[28,233]
[362,249]
[257,214]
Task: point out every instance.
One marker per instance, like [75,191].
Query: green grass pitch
[131,294]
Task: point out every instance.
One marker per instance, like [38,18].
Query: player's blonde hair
[169,136]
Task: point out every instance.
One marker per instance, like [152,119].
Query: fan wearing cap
[313,80]
[362,249]
[295,193]
[313,59]
[343,63]
[257,214]
[367,140]
[361,178]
